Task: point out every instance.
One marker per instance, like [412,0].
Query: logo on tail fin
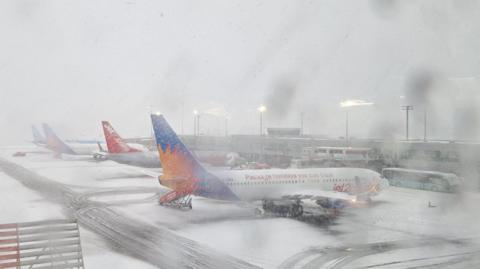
[181,169]
[115,143]
[54,143]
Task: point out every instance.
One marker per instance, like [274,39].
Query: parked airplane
[185,176]
[126,153]
[38,138]
[54,143]
[137,155]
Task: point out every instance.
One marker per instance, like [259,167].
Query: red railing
[54,243]
[9,246]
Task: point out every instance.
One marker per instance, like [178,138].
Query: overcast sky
[75,63]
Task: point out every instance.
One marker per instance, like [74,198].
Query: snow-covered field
[233,229]
[20,204]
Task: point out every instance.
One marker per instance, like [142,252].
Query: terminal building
[280,147]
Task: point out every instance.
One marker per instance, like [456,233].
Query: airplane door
[357,186]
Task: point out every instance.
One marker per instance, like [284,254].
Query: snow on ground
[98,254]
[20,204]
[400,213]
[396,214]
[264,242]
[204,211]
[235,230]
[232,228]
[84,173]
[418,257]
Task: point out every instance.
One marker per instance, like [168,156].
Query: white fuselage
[139,147]
[147,159]
[280,183]
[84,148]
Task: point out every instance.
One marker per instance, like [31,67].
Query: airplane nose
[380,184]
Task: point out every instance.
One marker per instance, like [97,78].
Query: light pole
[346,126]
[407,110]
[261,109]
[347,104]
[226,126]
[301,123]
[196,117]
[424,124]
[198,124]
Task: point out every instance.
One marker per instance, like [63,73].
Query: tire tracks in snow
[153,244]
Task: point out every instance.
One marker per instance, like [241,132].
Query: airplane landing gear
[99,157]
[290,209]
[296,210]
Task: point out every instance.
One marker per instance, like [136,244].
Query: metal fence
[41,244]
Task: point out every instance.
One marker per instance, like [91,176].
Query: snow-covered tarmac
[399,230]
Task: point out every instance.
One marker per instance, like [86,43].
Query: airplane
[328,187]
[38,138]
[126,153]
[137,155]
[54,143]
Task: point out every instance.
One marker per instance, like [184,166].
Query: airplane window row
[337,180]
[284,182]
[265,182]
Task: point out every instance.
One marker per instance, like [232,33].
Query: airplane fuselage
[146,159]
[251,185]
[83,148]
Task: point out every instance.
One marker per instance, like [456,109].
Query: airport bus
[333,157]
[336,153]
[424,180]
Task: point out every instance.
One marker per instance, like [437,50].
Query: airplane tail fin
[55,143]
[37,136]
[100,148]
[115,143]
[181,170]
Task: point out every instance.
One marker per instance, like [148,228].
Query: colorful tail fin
[115,143]
[181,169]
[54,143]
[38,138]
